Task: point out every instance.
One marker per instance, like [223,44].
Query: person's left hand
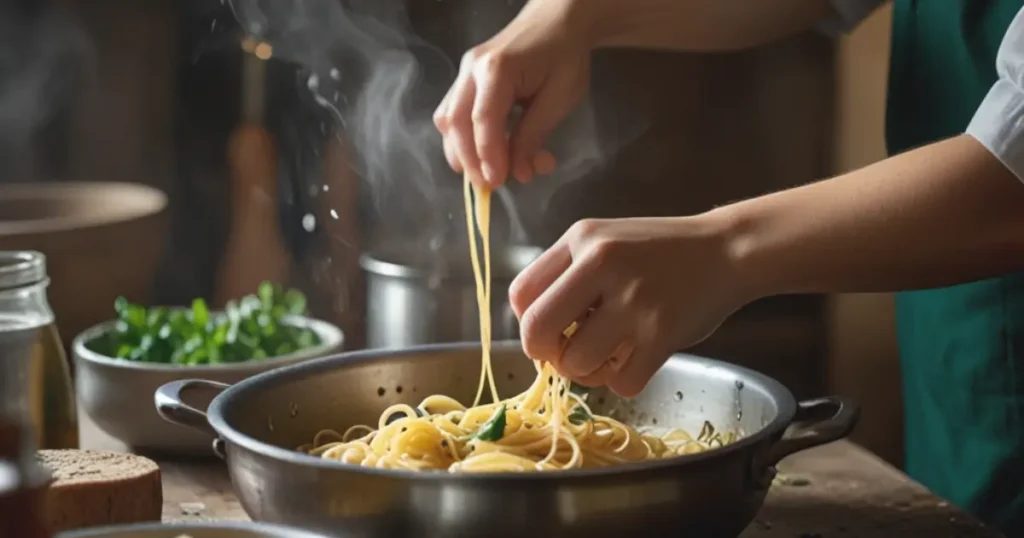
[640,289]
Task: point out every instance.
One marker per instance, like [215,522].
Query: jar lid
[21,268]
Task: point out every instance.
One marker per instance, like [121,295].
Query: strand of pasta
[477,202]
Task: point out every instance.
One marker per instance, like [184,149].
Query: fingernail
[489,174]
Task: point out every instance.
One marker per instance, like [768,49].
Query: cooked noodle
[547,427]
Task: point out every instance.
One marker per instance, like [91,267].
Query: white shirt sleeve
[846,14]
[999,122]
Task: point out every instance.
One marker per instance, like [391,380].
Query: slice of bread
[93,487]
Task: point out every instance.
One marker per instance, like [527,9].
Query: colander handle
[816,422]
[172,407]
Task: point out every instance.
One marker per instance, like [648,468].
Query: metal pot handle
[172,407]
[817,422]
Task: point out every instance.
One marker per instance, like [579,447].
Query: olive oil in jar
[46,386]
[51,392]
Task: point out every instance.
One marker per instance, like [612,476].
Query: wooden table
[836,491]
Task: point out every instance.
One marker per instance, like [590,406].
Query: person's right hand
[639,289]
[541,61]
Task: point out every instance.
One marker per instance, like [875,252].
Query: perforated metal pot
[713,494]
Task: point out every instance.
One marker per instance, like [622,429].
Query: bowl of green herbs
[119,364]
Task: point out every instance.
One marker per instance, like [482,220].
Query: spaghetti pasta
[547,427]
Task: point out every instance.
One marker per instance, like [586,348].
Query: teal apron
[961,348]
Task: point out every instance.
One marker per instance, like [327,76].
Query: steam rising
[42,55]
[382,82]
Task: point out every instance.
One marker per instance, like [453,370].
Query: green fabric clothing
[961,348]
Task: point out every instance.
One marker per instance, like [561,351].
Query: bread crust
[95,487]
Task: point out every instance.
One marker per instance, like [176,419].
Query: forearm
[696,25]
[943,214]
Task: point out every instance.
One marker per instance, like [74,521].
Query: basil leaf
[251,328]
[295,302]
[200,314]
[707,432]
[121,306]
[135,316]
[266,295]
[494,428]
[579,415]
[156,316]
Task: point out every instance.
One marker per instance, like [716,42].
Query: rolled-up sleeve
[999,122]
[846,14]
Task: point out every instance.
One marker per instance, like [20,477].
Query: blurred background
[171,149]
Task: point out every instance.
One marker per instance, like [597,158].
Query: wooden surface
[836,491]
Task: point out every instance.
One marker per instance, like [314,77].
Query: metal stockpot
[714,494]
[429,299]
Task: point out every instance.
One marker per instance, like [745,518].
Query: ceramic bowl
[118,394]
[101,240]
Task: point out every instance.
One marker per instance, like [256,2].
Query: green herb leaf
[200,314]
[156,316]
[198,356]
[137,354]
[135,316]
[123,351]
[305,339]
[266,295]
[213,353]
[120,305]
[295,302]
[232,311]
[707,432]
[251,328]
[219,335]
[278,311]
[494,428]
[579,415]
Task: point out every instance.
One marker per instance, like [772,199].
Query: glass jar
[25,316]
[27,320]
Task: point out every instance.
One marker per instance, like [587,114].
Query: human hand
[640,289]
[541,60]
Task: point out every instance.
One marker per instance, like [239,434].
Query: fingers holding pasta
[639,289]
[540,61]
